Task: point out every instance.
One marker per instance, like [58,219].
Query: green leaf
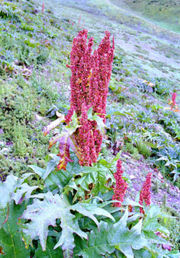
[10,236]
[118,155]
[73,125]
[143,254]
[131,202]
[126,240]
[98,243]
[108,237]
[23,193]
[174,254]
[52,164]
[134,217]
[59,178]
[151,223]
[14,189]
[125,249]
[50,252]
[90,209]
[6,190]
[90,113]
[94,176]
[153,238]
[69,226]
[100,124]
[123,220]
[38,170]
[44,213]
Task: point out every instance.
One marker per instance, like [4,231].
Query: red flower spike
[90,77]
[145,194]
[173,104]
[43,7]
[121,185]
[174,95]
[119,167]
[69,115]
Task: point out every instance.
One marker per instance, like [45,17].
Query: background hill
[166,13]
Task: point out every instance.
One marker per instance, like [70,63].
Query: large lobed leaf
[151,223]
[14,189]
[52,177]
[11,243]
[117,239]
[44,213]
[111,237]
[96,177]
[51,166]
[6,190]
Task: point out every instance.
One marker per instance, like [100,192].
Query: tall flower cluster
[90,77]
[172,102]
[174,95]
[121,185]
[145,194]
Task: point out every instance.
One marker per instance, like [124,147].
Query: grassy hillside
[33,54]
[163,12]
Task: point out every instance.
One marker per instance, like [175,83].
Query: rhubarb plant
[90,77]
[80,208]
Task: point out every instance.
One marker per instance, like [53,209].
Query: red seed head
[89,87]
[145,194]
[174,95]
[121,185]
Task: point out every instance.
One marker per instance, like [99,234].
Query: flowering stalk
[90,77]
[174,95]
[145,194]
[43,7]
[121,185]
[173,104]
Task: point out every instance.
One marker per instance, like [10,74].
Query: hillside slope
[145,73]
[166,13]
